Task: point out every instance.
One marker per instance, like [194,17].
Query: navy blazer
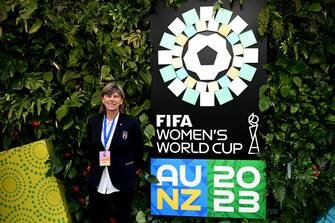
[126,151]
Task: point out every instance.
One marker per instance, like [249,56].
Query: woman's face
[112,102]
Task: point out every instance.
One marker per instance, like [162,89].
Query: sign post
[206,72]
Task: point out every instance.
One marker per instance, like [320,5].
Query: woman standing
[115,150]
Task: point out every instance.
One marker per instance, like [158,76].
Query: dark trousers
[104,207]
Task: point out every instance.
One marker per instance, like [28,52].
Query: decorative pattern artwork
[228,76]
[26,194]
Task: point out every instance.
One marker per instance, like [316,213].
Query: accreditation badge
[105,158]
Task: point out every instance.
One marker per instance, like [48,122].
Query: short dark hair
[110,89]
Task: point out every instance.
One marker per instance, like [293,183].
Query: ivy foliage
[298,105]
[55,56]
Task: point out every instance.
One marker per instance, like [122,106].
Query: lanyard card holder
[105,158]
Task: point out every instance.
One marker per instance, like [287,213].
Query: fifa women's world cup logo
[206,59]
[253,122]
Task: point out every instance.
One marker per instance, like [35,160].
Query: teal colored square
[223,16]
[223,95]
[190,31]
[224,81]
[168,41]
[190,17]
[247,38]
[247,72]
[167,73]
[182,73]
[233,38]
[191,96]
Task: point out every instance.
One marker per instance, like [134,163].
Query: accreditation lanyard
[107,135]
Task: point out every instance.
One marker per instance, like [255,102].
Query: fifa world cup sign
[206,74]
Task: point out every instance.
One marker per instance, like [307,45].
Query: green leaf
[297,81]
[284,90]
[146,76]
[117,48]
[49,103]
[313,124]
[72,172]
[3,14]
[105,70]
[263,21]
[149,131]
[145,155]
[69,75]
[74,206]
[6,141]
[144,118]
[79,215]
[105,73]
[315,7]
[77,99]
[264,103]
[136,110]
[57,164]
[48,76]
[153,179]
[90,46]
[132,65]
[314,59]
[330,118]
[27,9]
[280,136]
[96,99]
[67,168]
[280,194]
[17,84]
[331,48]
[285,78]
[148,143]
[297,67]
[140,217]
[332,106]
[88,79]
[270,67]
[62,111]
[50,46]
[269,138]
[304,52]
[35,27]
[146,105]
[38,133]
[33,84]
[68,125]
[262,90]
[304,121]
[294,108]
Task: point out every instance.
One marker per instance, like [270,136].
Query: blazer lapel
[118,129]
[99,127]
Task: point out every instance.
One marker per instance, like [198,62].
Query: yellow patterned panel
[26,194]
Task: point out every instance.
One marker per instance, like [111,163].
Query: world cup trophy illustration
[253,122]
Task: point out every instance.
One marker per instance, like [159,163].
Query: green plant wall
[56,55]
[298,104]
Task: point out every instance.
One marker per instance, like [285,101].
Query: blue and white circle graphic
[228,76]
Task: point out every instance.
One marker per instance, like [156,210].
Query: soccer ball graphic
[222,59]
[230,72]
